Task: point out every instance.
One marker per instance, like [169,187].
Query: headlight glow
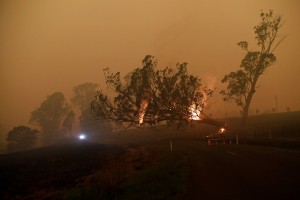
[82,137]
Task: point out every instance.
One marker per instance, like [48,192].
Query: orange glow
[142,111]
[74,40]
[195,113]
[221,130]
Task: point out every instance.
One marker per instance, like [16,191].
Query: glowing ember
[221,130]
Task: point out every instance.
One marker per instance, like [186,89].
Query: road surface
[240,171]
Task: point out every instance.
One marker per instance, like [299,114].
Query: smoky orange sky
[54,45]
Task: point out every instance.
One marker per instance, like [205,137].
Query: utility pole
[276,103]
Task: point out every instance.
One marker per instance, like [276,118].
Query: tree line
[55,119]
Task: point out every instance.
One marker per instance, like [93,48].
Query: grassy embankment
[164,180]
[93,171]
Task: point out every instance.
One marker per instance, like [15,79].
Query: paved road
[240,171]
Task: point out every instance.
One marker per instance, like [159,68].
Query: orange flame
[221,130]
[195,113]
[142,111]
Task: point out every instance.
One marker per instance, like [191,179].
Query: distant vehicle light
[82,137]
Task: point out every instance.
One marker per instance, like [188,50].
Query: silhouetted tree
[68,122]
[242,84]
[148,96]
[50,115]
[83,95]
[21,138]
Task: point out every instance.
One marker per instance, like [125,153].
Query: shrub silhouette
[21,138]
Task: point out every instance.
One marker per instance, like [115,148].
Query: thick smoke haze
[54,45]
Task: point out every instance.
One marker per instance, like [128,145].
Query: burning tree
[242,84]
[148,96]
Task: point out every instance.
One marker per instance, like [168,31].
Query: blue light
[82,137]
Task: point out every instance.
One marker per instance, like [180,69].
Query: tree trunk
[245,118]
[247,106]
[248,101]
[245,115]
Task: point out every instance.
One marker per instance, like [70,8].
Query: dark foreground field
[265,165]
[71,171]
[193,170]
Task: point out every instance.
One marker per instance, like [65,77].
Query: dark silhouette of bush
[21,138]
